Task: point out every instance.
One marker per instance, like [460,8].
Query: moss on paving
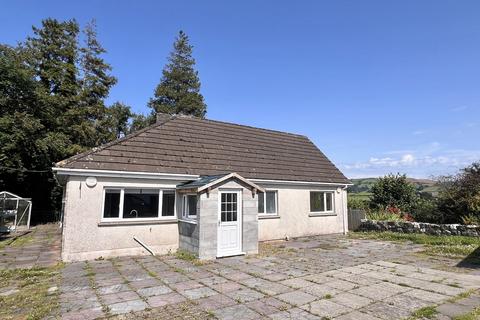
[18,241]
[443,246]
[32,300]
[424,313]
[473,315]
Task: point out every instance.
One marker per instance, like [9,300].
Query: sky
[379,86]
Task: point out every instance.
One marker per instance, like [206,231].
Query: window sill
[188,221]
[322,214]
[270,216]
[134,223]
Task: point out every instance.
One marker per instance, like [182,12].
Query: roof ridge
[112,143]
[244,126]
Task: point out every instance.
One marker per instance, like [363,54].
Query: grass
[32,300]
[473,315]
[424,313]
[185,255]
[18,241]
[444,246]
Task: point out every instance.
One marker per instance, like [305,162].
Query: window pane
[271,202]
[192,205]
[140,203]
[261,203]
[316,202]
[329,204]
[111,206]
[168,203]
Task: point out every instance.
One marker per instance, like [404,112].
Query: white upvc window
[189,206]
[322,201]
[138,204]
[268,202]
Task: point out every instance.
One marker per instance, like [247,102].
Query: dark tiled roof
[186,145]
[204,180]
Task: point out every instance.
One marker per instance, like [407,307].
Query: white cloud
[425,162]
[418,132]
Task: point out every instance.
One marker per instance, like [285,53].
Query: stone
[296,298]
[356,315]
[154,291]
[453,310]
[236,312]
[127,306]
[198,293]
[351,300]
[326,308]
[244,295]
[297,283]
[165,299]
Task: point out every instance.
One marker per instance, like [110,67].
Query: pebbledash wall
[294,218]
[419,227]
[86,236]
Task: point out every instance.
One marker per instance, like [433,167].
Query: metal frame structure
[13,207]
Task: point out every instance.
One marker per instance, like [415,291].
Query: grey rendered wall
[208,220]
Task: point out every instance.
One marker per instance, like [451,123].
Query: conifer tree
[179,88]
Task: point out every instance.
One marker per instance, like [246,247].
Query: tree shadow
[472,261]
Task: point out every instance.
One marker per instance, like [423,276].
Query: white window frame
[264,213]
[185,214]
[121,203]
[324,202]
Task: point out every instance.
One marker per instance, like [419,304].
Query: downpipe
[144,245]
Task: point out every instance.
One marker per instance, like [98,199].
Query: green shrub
[383,215]
[471,219]
[394,191]
[357,203]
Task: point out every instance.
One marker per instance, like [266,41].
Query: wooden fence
[354,218]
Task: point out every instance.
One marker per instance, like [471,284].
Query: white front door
[229,223]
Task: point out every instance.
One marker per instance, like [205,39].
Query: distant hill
[362,187]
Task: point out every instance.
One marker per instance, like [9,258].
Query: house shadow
[472,261]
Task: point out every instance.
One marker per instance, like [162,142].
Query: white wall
[294,214]
[83,238]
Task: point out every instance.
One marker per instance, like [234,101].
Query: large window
[140,203]
[189,206]
[135,203]
[267,202]
[321,202]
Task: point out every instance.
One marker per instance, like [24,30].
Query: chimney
[163,117]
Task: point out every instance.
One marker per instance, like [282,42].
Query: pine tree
[96,85]
[116,121]
[53,53]
[179,88]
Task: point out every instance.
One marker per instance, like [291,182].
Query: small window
[140,203]
[168,203]
[111,207]
[321,201]
[229,207]
[267,202]
[190,206]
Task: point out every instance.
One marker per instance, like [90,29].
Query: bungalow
[212,188]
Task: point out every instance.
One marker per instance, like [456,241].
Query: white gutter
[286,182]
[123,174]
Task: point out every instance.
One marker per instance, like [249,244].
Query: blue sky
[379,86]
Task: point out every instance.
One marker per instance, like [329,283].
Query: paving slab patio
[320,277]
[40,247]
